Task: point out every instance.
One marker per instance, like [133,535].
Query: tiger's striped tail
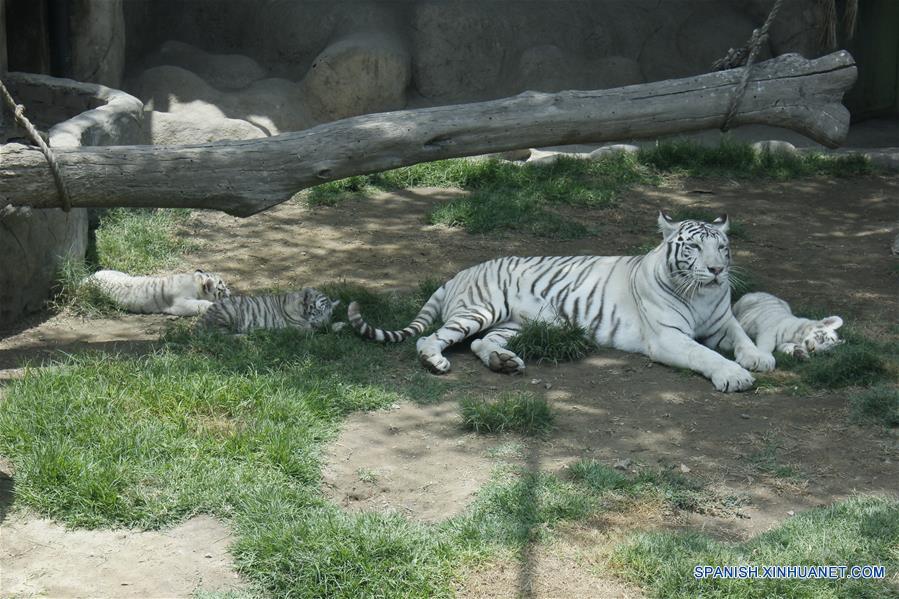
[426,316]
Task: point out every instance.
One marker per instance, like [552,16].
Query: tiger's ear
[666,224]
[722,223]
[832,322]
[208,284]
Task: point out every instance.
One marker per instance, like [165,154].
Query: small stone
[744,416]
[547,385]
[536,381]
[684,468]
[208,555]
[791,513]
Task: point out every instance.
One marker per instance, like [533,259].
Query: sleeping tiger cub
[306,310]
[770,322]
[178,294]
[672,304]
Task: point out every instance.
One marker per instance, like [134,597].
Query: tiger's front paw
[753,358]
[732,378]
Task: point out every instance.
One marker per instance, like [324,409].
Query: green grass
[505,195]
[548,342]
[532,199]
[668,486]
[768,459]
[79,298]
[514,411]
[141,241]
[877,405]
[859,362]
[738,160]
[858,531]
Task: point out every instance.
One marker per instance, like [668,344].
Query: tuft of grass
[738,160]
[78,297]
[518,412]
[667,486]
[141,241]
[767,460]
[862,530]
[546,341]
[877,405]
[850,364]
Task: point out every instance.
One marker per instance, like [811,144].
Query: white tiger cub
[672,304]
[178,294]
[306,310]
[770,322]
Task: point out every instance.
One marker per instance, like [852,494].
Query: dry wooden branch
[245,177]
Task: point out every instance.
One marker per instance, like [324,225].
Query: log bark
[246,177]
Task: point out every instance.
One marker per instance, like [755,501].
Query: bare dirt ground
[813,242]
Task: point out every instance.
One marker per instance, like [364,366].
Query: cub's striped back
[306,310]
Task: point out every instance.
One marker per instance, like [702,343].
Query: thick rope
[735,58]
[18,111]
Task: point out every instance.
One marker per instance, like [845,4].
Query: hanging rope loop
[18,111]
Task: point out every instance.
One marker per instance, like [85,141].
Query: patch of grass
[859,362]
[768,460]
[851,364]
[517,507]
[863,530]
[877,405]
[734,159]
[141,241]
[542,341]
[518,412]
[672,488]
[231,427]
[367,475]
[77,297]
[521,197]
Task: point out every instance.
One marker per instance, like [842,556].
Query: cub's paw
[754,359]
[796,350]
[732,378]
[504,361]
[435,363]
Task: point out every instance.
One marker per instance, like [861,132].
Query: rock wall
[281,65]
[34,242]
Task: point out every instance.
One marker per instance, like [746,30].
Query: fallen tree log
[246,177]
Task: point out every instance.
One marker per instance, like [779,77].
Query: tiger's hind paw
[435,363]
[506,362]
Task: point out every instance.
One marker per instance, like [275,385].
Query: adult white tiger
[672,304]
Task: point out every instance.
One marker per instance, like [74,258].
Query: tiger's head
[697,253]
[313,306]
[211,286]
[822,335]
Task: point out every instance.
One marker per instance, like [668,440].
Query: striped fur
[177,294]
[769,321]
[306,310]
[672,304]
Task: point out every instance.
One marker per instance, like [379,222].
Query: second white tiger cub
[306,310]
[769,321]
[179,294]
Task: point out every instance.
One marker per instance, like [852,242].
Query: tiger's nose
[716,270]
